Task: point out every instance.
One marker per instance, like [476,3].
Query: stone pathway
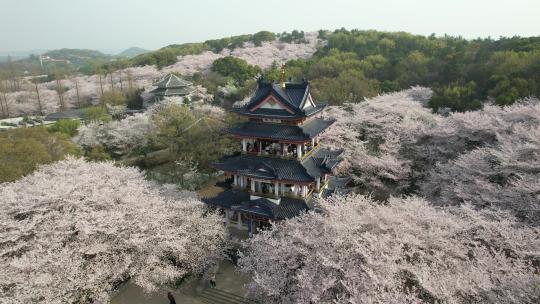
[229,290]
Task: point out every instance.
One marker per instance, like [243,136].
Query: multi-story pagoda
[282,167]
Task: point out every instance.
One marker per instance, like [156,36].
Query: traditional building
[170,86]
[282,167]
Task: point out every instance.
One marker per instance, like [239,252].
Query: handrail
[309,152]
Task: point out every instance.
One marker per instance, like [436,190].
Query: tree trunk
[6,107]
[101,86]
[112,84]
[60,92]
[38,98]
[121,84]
[77,90]
[130,81]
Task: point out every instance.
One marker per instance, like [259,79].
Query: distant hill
[76,57]
[132,52]
[17,55]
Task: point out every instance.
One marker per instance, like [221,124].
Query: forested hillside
[463,73]
[343,66]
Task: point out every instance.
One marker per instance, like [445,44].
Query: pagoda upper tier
[284,101]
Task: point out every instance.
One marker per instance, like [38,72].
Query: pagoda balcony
[276,149]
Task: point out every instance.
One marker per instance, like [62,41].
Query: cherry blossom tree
[394,145]
[120,137]
[504,175]
[372,133]
[73,231]
[405,251]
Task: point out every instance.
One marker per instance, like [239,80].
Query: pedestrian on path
[171,298]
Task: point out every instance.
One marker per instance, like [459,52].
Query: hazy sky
[113,25]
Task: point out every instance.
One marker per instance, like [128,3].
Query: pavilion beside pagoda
[171,86]
[282,166]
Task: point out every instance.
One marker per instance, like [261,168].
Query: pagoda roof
[181,91]
[336,185]
[320,162]
[294,100]
[240,201]
[172,81]
[274,131]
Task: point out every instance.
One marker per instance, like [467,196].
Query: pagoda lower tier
[265,189]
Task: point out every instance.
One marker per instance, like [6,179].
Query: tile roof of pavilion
[275,131]
[320,162]
[295,97]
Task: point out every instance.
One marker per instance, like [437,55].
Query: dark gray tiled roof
[336,185]
[281,131]
[173,91]
[68,114]
[240,201]
[265,168]
[286,209]
[308,170]
[172,81]
[293,95]
[227,198]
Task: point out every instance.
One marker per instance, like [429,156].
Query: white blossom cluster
[490,157]
[405,251]
[73,231]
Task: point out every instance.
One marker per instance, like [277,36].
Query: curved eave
[282,140]
[246,113]
[286,181]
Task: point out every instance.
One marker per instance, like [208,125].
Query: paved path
[229,286]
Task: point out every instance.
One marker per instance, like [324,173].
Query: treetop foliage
[22,150]
[405,251]
[85,228]
[463,73]
[238,69]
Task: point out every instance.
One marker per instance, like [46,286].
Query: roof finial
[282,78]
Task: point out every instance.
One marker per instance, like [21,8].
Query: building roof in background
[182,91]
[172,81]
[68,114]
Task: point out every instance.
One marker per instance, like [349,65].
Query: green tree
[134,99]
[98,153]
[114,98]
[262,36]
[96,113]
[186,133]
[68,127]
[506,91]
[349,86]
[236,68]
[456,97]
[22,150]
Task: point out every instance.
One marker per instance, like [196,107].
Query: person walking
[171,298]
